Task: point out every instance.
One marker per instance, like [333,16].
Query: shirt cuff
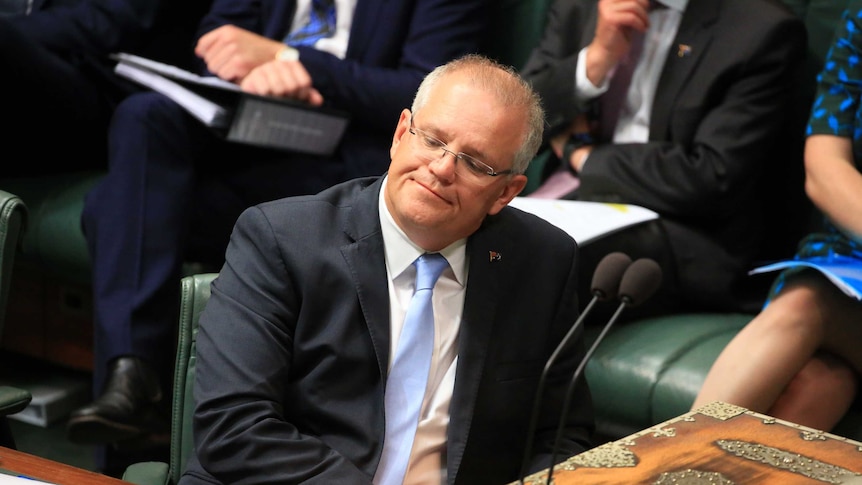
[584,88]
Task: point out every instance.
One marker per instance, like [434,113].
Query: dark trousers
[56,108]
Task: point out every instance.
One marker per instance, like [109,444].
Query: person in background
[677,106]
[799,359]
[58,85]
[174,188]
[321,311]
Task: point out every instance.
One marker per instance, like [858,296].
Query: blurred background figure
[680,107]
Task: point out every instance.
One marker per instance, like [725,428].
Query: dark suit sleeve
[90,26]
[245,347]
[705,160]
[392,46]
[551,65]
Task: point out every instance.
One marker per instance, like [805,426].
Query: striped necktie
[321,24]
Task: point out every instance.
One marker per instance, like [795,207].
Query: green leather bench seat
[54,239]
[648,371]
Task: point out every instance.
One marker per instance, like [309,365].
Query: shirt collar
[400,251]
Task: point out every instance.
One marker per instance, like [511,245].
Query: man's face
[429,201]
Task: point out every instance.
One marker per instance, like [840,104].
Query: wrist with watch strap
[575,141]
[287,53]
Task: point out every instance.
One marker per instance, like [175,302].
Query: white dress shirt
[427,460]
[633,121]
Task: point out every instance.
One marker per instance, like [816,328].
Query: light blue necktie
[320,25]
[405,387]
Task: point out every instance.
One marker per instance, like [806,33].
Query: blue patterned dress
[837,110]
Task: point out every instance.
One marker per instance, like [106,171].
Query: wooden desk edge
[51,471]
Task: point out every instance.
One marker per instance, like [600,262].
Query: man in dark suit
[58,86]
[174,189]
[700,137]
[296,342]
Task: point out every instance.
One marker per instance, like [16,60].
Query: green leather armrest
[147,473]
[13,400]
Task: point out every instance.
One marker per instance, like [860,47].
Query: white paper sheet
[585,221]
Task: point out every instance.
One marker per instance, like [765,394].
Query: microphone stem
[534,417]
[568,397]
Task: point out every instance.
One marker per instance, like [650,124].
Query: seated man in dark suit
[685,108]
[175,189]
[301,348]
[58,88]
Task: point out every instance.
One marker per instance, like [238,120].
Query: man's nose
[444,165]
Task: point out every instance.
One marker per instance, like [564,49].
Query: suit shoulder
[760,11]
[535,227]
[339,195]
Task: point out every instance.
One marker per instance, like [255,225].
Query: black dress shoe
[131,406]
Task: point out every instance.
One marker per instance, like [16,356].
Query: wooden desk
[51,471]
[716,444]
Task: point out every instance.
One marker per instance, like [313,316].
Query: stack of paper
[267,121]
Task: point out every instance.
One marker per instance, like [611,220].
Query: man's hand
[231,53]
[617,21]
[282,78]
[581,124]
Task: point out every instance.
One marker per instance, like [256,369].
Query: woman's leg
[756,366]
[819,395]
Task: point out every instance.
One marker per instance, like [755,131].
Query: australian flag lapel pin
[494,256]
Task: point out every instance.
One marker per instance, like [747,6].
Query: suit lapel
[477,328]
[366,260]
[690,45]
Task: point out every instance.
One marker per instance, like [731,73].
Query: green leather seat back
[13,217]
[54,239]
[195,294]
[516,27]
[13,214]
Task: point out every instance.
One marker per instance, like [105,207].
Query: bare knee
[800,308]
[819,395]
[822,374]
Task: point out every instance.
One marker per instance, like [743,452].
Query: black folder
[241,117]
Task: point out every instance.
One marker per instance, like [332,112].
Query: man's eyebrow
[436,132]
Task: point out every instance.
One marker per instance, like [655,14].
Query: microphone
[639,282]
[606,282]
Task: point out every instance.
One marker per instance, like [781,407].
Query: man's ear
[400,130]
[514,187]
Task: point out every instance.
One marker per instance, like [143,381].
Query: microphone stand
[534,416]
[570,390]
[607,278]
[639,282]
